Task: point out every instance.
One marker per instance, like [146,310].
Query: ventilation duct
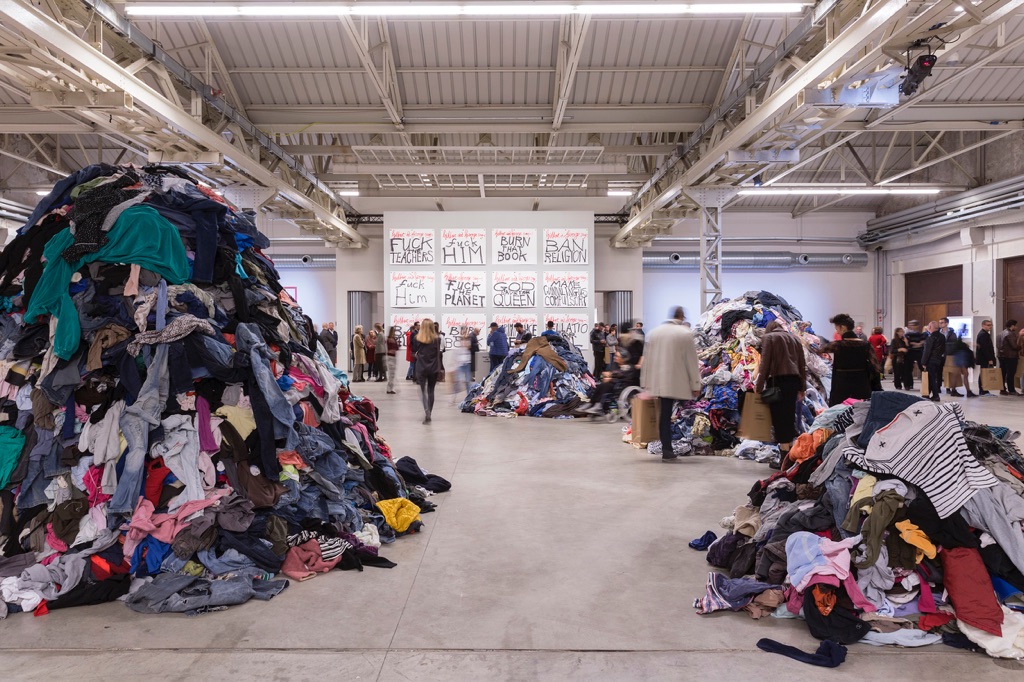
[966,208]
[303,262]
[756,260]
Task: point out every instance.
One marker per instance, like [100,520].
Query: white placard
[412,289]
[513,246]
[452,324]
[570,325]
[514,290]
[566,289]
[411,247]
[463,289]
[404,321]
[508,321]
[566,247]
[463,247]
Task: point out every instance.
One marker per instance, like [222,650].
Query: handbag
[771,395]
[440,375]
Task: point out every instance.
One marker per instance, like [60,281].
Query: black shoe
[985,393]
[936,399]
[1003,392]
[1012,393]
[957,393]
[669,458]
[971,395]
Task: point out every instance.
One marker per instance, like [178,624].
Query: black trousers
[903,374]
[598,361]
[784,410]
[472,366]
[665,425]
[1009,367]
[935,379]
[981,388]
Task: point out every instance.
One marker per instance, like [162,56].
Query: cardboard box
[756,420]
[645,420]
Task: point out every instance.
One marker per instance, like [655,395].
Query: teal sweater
[141,236]
[12,441]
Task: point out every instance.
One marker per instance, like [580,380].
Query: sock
[704,541]
[828,655]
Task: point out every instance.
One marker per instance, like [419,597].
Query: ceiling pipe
[756,260]
[966,208]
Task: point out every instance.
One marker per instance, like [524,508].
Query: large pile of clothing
[171,433]
[899,522]
[547,377]
[728,341]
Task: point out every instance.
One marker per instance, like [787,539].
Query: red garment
[103,569]
[933,620]
[305,561]
[156,474]
[970,589]
[878,342]
[408,346]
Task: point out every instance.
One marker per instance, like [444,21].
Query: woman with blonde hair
[426,349]
[358,353]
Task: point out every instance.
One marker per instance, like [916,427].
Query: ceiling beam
[855,37]
[386,83]
[946,157]
[570,48]
[42,28]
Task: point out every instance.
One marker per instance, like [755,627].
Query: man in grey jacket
[671,371]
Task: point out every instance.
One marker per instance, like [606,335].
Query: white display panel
[508,321]
[463,289]
[573,326]
[405,320]
[514,290]
[567,289]
[410,247]
[467,246]
[566,247]
[452,324]
[412,289]
[513,246]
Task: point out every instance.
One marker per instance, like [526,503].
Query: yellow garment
[865,488]
[238,417]
[913,535]
[399,513]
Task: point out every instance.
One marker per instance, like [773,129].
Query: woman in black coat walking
[426,349]
[855,371]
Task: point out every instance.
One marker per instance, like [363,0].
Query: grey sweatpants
[999,511]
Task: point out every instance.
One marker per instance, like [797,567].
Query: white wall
[316,290]
[617,270]
[981,260]
[817,293]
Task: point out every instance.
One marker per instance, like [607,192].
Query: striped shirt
[925,445]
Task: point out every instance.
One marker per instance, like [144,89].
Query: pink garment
[131,287]
[926,600]
[305,378]
[207,443]
[94,485]
[163,527]
[208,471]
[837,562]
[81,414]
[852,401]
[53,541]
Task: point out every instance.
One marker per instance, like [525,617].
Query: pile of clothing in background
[171,433]
[547,377]
[728,339]
[899,522]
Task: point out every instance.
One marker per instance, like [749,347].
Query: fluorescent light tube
[42,192]
[836,191]
[468,9]
[348,193]
[620,193]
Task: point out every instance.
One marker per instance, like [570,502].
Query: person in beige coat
[358,353]
[670,371]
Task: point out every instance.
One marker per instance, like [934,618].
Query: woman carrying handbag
[781,380]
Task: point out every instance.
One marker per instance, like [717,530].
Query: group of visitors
[611,348]
[373,354]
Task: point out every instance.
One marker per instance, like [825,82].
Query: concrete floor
[559,554]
